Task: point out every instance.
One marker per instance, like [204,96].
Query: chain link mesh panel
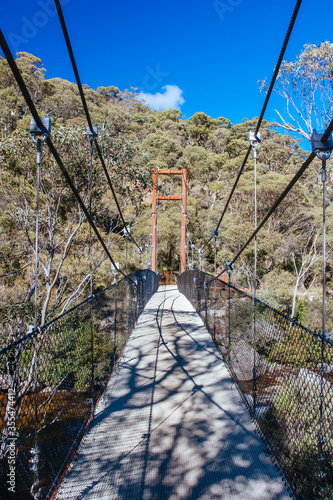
[51,379]
[284,373]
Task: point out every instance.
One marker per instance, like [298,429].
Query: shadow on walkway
[171,424]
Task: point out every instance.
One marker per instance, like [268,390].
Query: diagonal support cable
[86,111]
[18,77]
[291,184]
[268,95]
[305,165]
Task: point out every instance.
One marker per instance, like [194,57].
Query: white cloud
[170,98]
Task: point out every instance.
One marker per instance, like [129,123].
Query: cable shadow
[182,453]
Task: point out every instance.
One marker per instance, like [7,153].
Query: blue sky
[198,55]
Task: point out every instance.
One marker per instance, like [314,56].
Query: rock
[220,313]
[328,368]
[273,389]
[242,358]
[263,403]
[46,390]
[309,383]
[261,410]
[107,323]
[275,369]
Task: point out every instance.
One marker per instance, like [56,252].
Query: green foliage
[67,353]
[298,349]
[278,289]
[110,92]
[303,461]
[134,140]
[297,407]
[162,149]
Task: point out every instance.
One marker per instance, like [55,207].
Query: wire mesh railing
[286,381]
[51,380]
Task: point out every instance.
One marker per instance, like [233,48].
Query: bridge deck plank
[171,424]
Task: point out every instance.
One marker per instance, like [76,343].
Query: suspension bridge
[171,424]
[141,391]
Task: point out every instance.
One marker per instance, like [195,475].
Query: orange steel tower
[155,199]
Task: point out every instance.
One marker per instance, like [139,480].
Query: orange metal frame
[155,199]
[169,277]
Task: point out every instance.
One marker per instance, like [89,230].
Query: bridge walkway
[171,425]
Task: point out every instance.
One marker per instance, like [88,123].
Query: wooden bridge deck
[171,424]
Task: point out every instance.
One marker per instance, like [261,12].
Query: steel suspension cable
[192,246]
[35,449]
[254,144]
[274,207]
[18,77]
[268,95]
[321,437]
[86,111]
[280,59]
[91,141]
[188,238]
[291,184]
[230,196]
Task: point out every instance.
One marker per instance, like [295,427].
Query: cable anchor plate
[92,134]
[229,267]
[321,149]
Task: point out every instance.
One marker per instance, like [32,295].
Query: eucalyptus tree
[306,86]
